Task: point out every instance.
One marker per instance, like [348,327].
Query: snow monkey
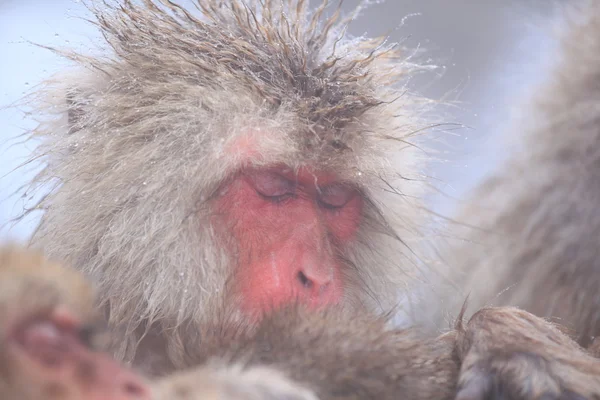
[533,225]
[232,160]
[220,164]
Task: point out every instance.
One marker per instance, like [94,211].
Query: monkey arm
[332,356]
[339,356]
[510,353]
[499,350]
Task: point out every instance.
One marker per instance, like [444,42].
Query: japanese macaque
[529,234]
[48,328]
[230,161]
[217,167]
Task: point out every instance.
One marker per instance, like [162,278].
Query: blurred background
[489,52]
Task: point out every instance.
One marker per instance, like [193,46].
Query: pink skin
[289,226]
[52,350]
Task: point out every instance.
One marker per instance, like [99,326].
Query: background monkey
[529,233]
[48,325]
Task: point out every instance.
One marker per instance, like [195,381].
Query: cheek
[343,224]
[253,222]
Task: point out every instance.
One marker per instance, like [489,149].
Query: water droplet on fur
[144,183]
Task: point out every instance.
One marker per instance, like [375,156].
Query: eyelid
[336,195]
[270,184]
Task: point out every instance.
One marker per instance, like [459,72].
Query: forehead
[286,149]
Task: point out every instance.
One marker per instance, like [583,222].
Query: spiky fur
[136,143]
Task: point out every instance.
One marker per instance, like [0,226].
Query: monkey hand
[507,353]
[230,383]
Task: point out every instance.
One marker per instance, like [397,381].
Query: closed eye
[271,186]
[336,196]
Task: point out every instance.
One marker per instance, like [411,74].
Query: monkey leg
[511,354]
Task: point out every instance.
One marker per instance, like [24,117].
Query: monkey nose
[315,281]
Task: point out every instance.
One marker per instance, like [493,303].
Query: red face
[290,227]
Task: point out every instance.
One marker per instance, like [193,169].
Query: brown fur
[328,355]
[338,355]
[531,230]
[499,353]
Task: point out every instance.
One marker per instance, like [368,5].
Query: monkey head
[251,155]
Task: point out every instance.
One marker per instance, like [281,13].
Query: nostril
[307,283]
